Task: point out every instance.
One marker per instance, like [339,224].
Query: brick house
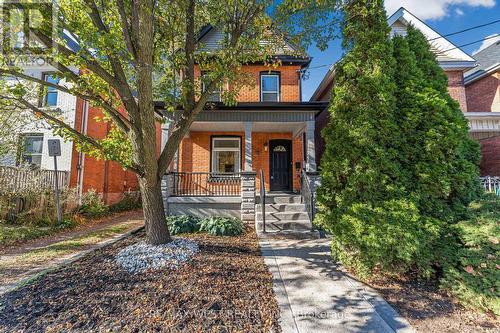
[451,59]
[267,138]
[482,87]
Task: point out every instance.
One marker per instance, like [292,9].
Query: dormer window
[269,87]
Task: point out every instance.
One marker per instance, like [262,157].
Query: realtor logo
[28,28]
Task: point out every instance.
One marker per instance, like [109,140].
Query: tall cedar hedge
[398,164]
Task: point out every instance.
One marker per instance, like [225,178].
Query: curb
[29,279]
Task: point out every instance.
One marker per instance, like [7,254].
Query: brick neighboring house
[451,59]
[482,87]
[107,178]
[270,130]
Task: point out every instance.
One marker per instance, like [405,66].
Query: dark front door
[280,162]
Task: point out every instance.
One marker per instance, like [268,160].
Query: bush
[130,201]
[183,224]
[92,205]
[222,226]
[388,239]
[473,272]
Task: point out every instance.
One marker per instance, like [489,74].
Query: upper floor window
[269,87]
[214,96]
[31,149]
[50,98]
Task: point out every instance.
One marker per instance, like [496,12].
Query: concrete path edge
[391,317]
[70,260]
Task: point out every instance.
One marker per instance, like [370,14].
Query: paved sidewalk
[19,266]
[315,296]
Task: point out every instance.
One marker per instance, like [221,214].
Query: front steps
[285,214]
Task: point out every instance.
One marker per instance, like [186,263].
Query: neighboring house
[482,87]
[33,136]
[108,178]
[270,132]
[452,60]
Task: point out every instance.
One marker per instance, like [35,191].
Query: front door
[280,165]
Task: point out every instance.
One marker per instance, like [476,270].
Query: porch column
[248,196]
[310,148]
[248,146]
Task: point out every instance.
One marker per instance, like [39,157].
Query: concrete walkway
[315,296]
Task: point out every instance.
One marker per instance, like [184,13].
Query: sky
[444,16]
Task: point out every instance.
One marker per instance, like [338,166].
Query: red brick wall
[106,177]
[456,88]
[194,153]
[490,157]
[289,83]
[484,95]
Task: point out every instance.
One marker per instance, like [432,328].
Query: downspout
[81,156]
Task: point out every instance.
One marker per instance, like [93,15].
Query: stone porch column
[310,148]
[248,196]
[248,146]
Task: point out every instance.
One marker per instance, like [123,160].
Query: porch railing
[205,184]
[308,195]
[490,184]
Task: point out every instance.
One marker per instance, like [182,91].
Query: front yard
[225,287]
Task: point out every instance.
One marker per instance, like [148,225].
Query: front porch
[230,154]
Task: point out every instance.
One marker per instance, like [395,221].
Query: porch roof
[256,111]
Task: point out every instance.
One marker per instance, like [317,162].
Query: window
[214,96]
[31,149]
[226,156]
[50,98]
[269,88]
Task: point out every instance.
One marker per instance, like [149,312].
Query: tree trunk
[154,213]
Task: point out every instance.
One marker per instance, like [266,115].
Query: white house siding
[67,104]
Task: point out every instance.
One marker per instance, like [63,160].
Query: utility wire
[443,36]
[465,30]
[477,41]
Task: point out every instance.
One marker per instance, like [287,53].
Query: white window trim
[23,143]
[45,76]
[213,93]
[277,92]
[238,150]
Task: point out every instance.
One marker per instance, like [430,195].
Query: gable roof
[448,55]
[209,37]
[488,61]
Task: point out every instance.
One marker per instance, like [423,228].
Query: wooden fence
[23,180]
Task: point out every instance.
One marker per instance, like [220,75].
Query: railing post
[248,196]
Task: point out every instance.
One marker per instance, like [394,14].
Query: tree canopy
[123,55]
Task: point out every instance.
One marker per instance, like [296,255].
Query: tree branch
[82,137]
[122,122]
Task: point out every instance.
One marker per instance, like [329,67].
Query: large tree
[121,55]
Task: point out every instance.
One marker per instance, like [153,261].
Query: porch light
[265,146]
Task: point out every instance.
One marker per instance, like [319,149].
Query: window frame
[21,150]
[45,94]
[214,138]
[278,91]
[214,93]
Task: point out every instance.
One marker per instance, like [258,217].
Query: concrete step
[282,216]
[290,234]
[289,207]
[280,199]
[277,226]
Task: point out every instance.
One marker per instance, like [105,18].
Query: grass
[13,265]
[13,233]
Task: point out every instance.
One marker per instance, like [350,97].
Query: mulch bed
[430,310]
[226,287]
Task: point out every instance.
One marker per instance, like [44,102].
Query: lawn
[225,287]
[13,233]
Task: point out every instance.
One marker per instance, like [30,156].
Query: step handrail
[263,200]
